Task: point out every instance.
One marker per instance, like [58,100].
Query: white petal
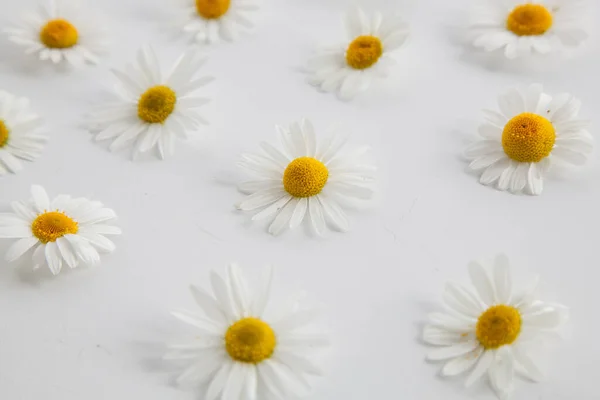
[549,318]
[530,368]
[67,253]
[535,181]
[200,369]
[261,296]
[296,320]
[218,382]
[235,384]
[481,367]
[283,219]
[299,212]
[462,300]
[570,156]
[304,340]
[502,279]
[23,210]
[482,148]
[334,213]
[316,215]
[208,304]
[461,364]
[40,198]
[262,199]
[450,322]
[511,103]
[95,216]
[440,337]
[53,258]
[501,372]
[482,283]
[491,132]
[100,242]
[452,351]
[532,97]
[204,326]
[221,293]
[299,363]
[20,247]
[239,290]
[274,208]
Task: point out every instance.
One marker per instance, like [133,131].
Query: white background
[99,333]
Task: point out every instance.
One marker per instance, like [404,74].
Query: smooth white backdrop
[99,333]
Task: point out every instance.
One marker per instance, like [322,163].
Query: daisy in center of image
[305,180]
[241,355]
[521,28]
[532,131]
[152,110]
[492,329]
[209,20]
[350,67]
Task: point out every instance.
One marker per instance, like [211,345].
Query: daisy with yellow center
[349,68]
[18,138]
[305,180]
[521,28]
[61,30]
[490,330]
[211,20]
[531,132]
[240,353]
[153,109]
[63,231]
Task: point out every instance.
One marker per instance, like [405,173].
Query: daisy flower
[531,132]
[523,27]
[241,355]
[208,20]
[61,30]
[491,330]
[64,231]
[348,68]
[153,109]
[304,179]
[17,133]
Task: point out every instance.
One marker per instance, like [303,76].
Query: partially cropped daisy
[240,354]
[209,20]
[491,330]
[63,231]
[349,68]
[152,108]
[18,138]
[61,30]
[524,27]
[304,180]
[531,132]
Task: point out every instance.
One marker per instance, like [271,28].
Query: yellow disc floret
[364,51]
[528,138]
[3,134]
[59,34]
[497,326]
[305,177]
[156,104]
[49,226]
[212,9]
[250,340]
[529,19]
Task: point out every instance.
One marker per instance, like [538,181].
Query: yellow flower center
[59,34]
[212,9]
[305,177]
[3,134]
[364,51]
[52,225]
[156,104]
[528,138]
[497,326]
[529,19]
[250,340]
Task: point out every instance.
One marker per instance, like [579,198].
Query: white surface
[99,333]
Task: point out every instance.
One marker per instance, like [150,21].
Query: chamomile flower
[18,138]
[209,20]
[61,30]
[349,68]
[531,132]
[62,231]
[491,330]
[152,109]
[305,180]
[524,27]
[241,354]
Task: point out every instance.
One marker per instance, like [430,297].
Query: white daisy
[348,68]
[239,354]
[531,132]
[61,30]
[304,179]
[62,231]
[18,126]
[153,109]
[523,27]
[491,330]
[208,20]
